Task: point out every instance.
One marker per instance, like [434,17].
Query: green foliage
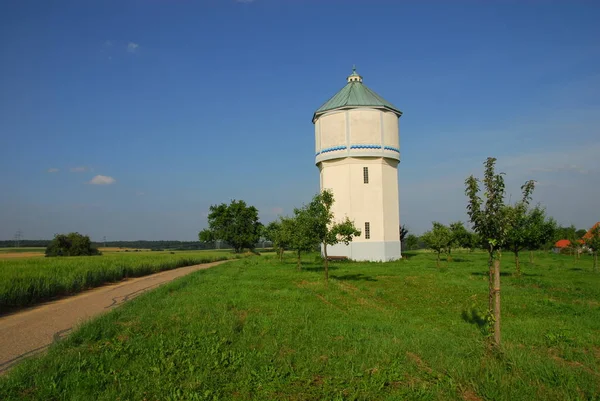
[29,281]
[315,225]
[256,329]
[493,220]
[412,242]
[593,243]
[72,244]
[236,223]
[540,229]
[403,232]
[437,239]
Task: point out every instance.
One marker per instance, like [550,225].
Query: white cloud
[132,47]
[79,169]
[53,170]
[107,43]
[102,180]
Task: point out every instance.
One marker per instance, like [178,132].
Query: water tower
[357,153]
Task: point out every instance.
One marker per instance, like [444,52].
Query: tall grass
[29,281]
[258,329]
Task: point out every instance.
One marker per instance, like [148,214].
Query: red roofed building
[589,233]
[563,243]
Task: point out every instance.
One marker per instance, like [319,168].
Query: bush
[72,244]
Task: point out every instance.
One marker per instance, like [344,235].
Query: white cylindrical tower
[357,153]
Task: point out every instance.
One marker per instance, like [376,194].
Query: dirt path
[32,331]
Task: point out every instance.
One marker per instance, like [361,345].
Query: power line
[18,237]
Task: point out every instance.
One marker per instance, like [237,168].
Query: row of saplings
[311,226]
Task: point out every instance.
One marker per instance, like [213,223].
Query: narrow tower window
[366,174]
[367,229]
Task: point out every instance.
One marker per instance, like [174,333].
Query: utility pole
[104,240]
[18,237]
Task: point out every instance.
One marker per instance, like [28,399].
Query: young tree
[516,237]
[412,241]
[325,229]
[236,224]
[301,232]
[72,244]
[593,242]
[540,230]
[437,239]
[403,232]
[460,237]
[280,234]
[491,220]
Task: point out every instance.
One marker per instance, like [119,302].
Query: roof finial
[354,77]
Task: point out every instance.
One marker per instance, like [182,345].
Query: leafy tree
[492,221]
[412,241]
[72,244]
[322,226]
[580,233]
[437,239]
[301,231]
[460,237]
[403,232]
[593,242]
[280,234]
[516,237]
[540,230]
[236,224]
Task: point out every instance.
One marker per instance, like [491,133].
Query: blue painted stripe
[332,149]
[336,148]
[365,147]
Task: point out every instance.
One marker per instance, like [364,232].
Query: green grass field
[28,281]
[256,329]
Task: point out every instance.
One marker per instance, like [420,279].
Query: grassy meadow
[258,329]
[27,281]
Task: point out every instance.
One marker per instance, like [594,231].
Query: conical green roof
[355,94]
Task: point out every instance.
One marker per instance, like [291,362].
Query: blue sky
[128,119]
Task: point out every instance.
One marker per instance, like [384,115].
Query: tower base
[367,251]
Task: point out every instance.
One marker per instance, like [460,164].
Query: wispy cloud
[132,47]
[79,169]
[53,170]
[102,180]
[140,193]
[107,43]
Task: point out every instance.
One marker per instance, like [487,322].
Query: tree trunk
[530,256]
[326,263]
[497,337]
[517,263]
[281,254]
[438,260]
[491,281]
[299,267]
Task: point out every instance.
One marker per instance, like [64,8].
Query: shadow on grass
[317,268]
[506,274]
[576,269]
[354,277]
